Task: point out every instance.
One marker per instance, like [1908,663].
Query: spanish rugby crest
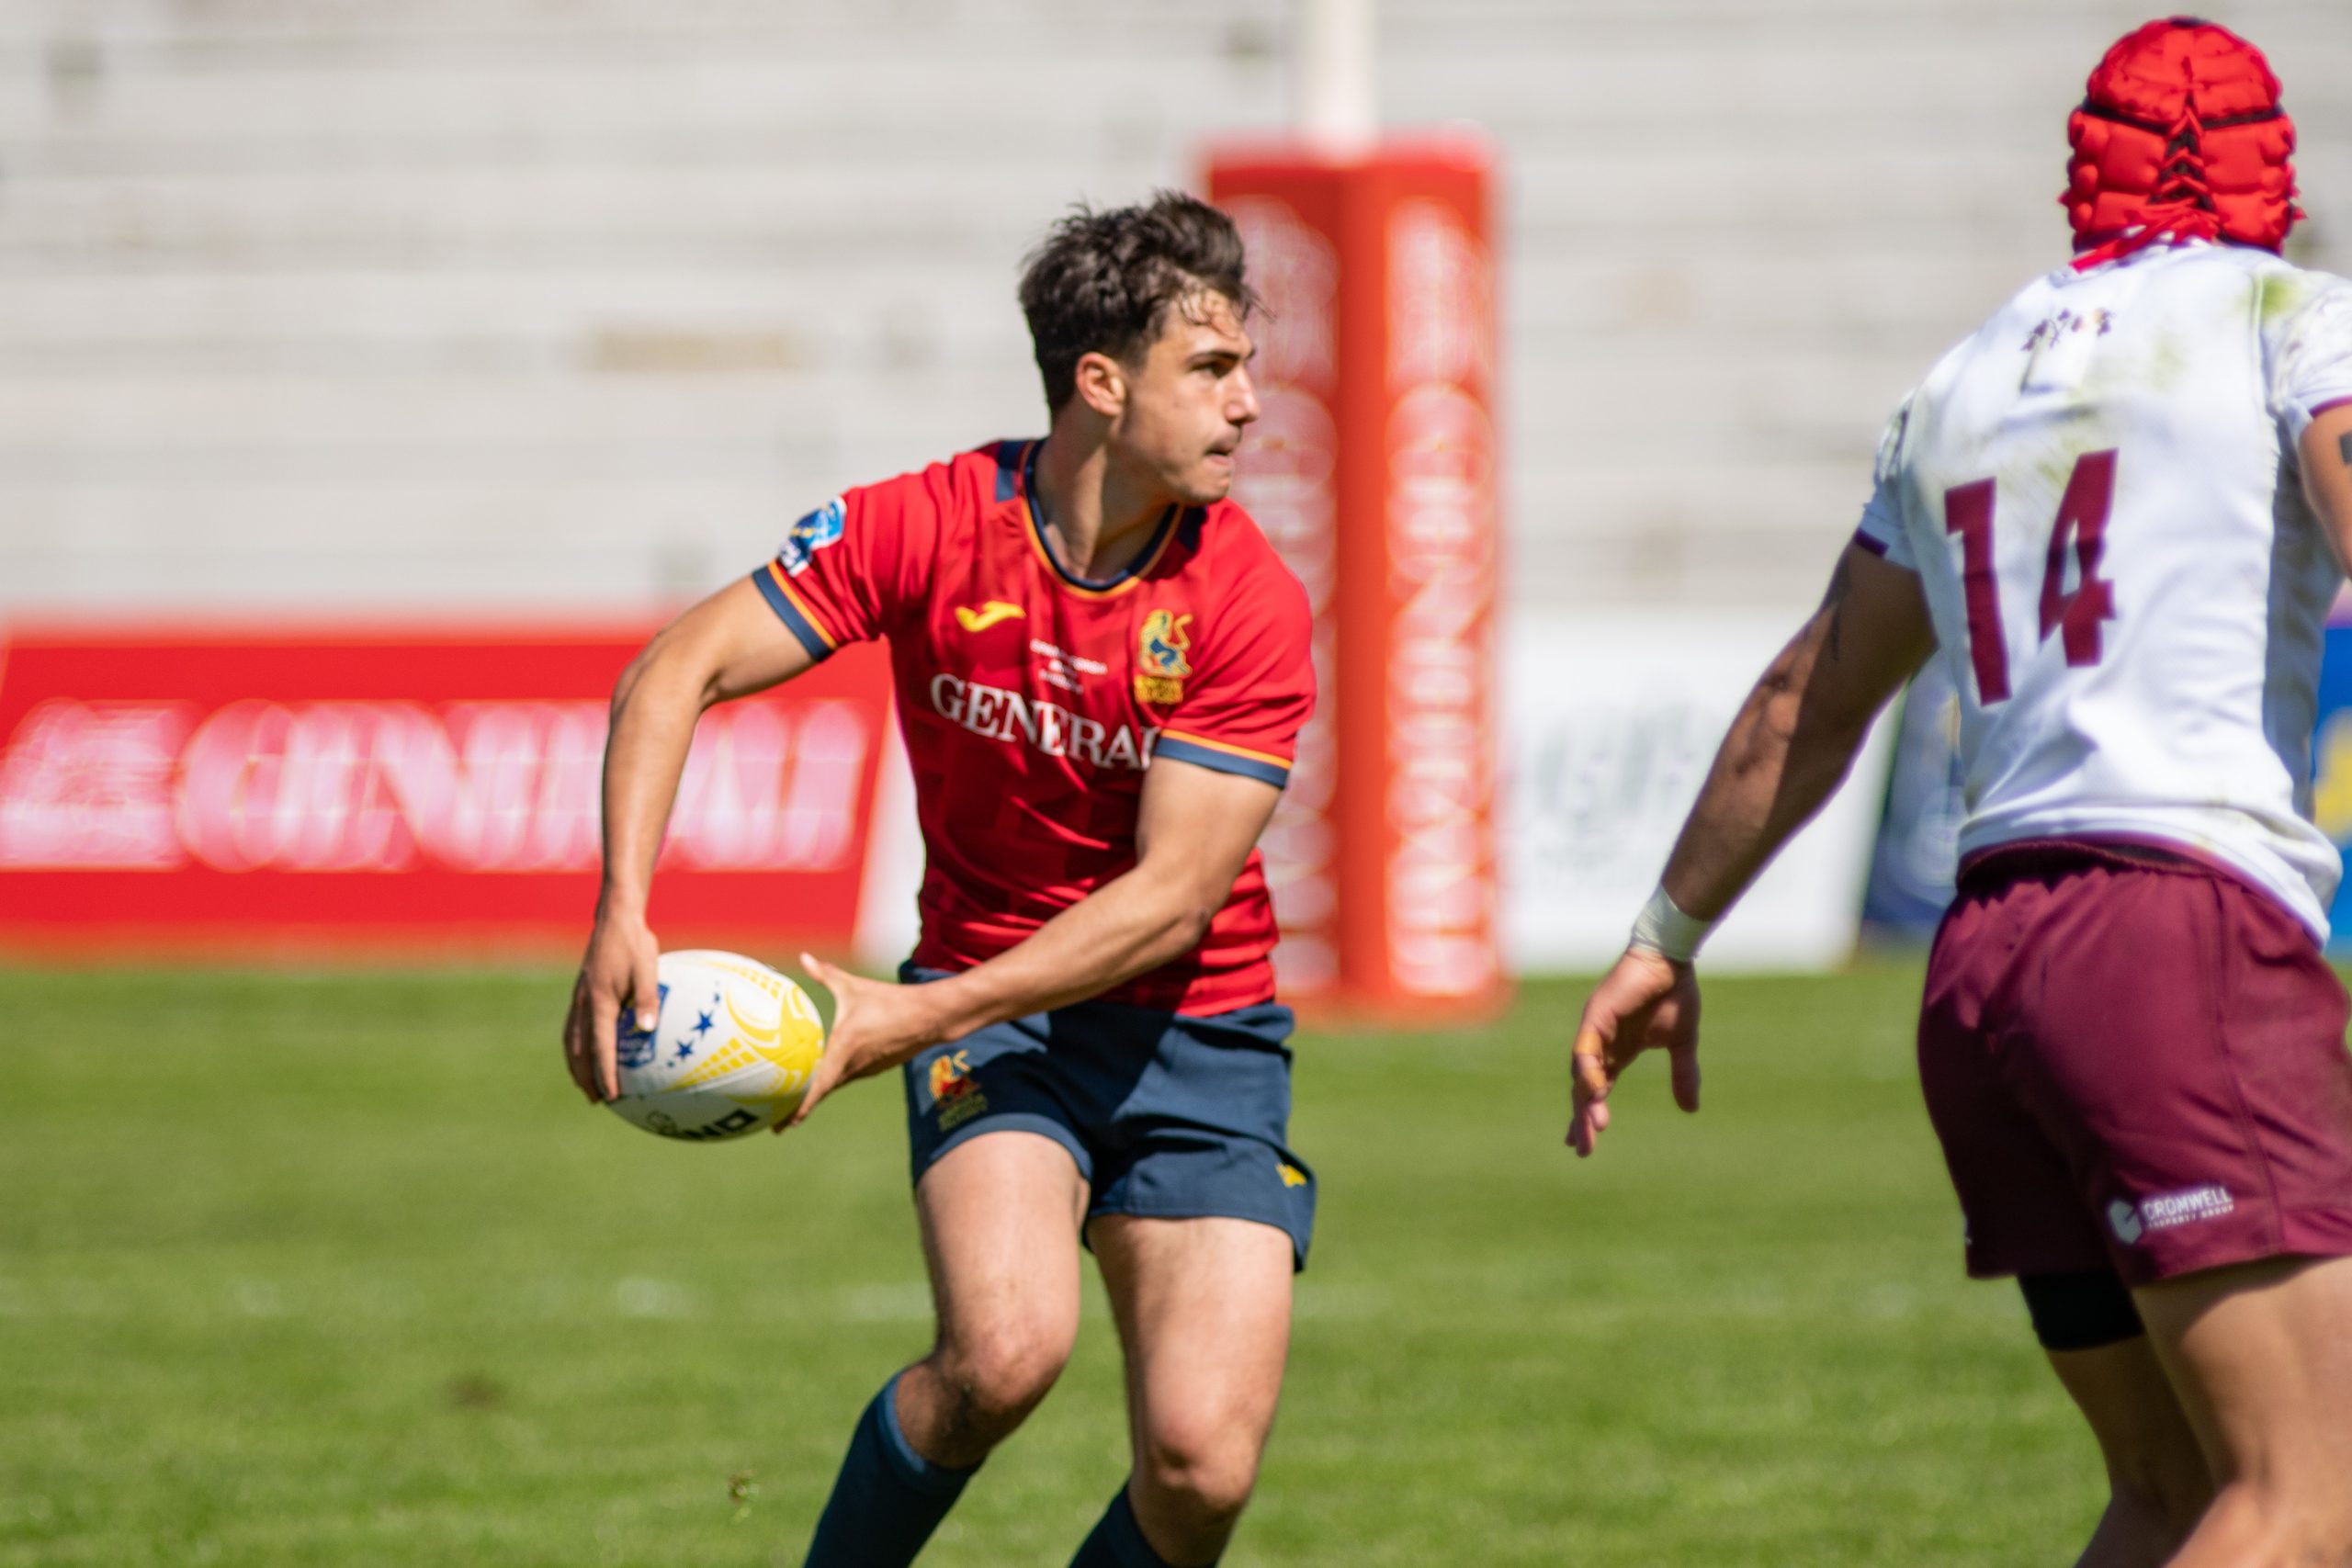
[955,1095]
[812,533]
[1160,666]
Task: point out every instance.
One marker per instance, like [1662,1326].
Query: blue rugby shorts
[1169,1115]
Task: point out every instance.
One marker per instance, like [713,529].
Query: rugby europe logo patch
[1160,666]
[812,533]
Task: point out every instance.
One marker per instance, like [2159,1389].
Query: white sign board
[1611,720]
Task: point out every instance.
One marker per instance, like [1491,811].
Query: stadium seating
[465,304]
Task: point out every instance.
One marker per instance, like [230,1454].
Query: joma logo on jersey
[1160,667]
[987,614]
[1000,715]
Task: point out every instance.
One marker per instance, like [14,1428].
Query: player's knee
[994,1379]
[1202,1469]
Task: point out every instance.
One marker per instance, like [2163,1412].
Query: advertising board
[403,787]
[1610,719]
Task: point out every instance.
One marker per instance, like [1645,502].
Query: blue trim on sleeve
[1273,774]
[790,614]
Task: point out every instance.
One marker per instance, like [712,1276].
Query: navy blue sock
[888,1498]
[1117,1541]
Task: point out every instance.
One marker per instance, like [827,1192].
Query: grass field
[338,1270]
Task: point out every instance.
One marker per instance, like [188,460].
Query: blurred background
[569,306]
[504,313]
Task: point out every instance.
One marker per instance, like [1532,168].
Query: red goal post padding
[1374,469]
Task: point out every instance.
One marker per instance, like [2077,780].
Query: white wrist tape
[1662,927]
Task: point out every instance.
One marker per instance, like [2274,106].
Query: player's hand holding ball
[1645,1001]
[618,975]
[877,1026]
[730,1049]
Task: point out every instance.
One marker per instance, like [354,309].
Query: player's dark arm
[1193,833]
[1797,733]
[728,645]
[1794,741]
[2327,453]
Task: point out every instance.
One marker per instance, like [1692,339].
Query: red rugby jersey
[1033,701]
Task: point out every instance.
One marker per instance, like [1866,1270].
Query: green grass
[338,1270]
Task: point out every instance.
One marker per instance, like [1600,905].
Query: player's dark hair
[1104,282]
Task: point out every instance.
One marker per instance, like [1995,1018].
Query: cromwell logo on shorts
[2131,1220]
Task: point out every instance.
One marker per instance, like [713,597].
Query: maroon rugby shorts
[2135,1061]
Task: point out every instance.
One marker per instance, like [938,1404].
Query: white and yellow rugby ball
[730,1052]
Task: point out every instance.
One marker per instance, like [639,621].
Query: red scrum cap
[2180,134]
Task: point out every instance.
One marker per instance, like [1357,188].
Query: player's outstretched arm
[1790,746]
[728,645]
[1193,834]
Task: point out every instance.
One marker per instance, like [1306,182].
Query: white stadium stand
[569,306]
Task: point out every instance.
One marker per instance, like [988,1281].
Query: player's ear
[1102,384]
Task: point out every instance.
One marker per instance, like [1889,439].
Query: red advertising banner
[1374,469]
[403,788]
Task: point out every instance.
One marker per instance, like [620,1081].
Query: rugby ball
[730,1053]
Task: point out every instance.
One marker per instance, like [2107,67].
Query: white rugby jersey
[2100,492]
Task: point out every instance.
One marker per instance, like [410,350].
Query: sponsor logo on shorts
[2131,1220]
[955,1098]
[1291,1175]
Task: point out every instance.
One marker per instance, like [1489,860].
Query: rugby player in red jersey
[1102,668]
[2120,510]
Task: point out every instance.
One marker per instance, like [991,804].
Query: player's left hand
[877,1026]
[1646,1001]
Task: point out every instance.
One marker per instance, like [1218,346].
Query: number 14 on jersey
[2082,518]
